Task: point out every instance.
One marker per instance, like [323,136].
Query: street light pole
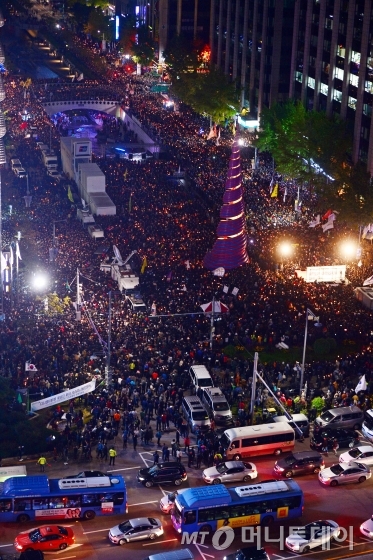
[108,357]
[253,388]
[313,318]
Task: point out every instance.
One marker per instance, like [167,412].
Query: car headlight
[141,478]
[279,468]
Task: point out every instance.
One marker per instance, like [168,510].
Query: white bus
[251,441]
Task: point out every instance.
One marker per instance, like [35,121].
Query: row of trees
[315,150]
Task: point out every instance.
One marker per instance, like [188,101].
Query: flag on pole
[327,214]
[125,174]
[225,289]
[154,309]
[271,184]
[285,194]
[212,133]
[130,204]
[235,291]
[70,194]
[30,367]
[11,257]
[274,193]
[327,226]
[187,264]
[144,265]
[368,281]
[18,254]
[315,222]
[362,385]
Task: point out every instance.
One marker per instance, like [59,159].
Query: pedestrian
[112,455]
[99,450]
[134,442]
[42,462]
[186,444]
[178,455]
[155,457]
[158,435]
[335,447]
[21,449]
[125,439]
[105,452]
[199,459]
[324,448]
[191,457]
[66,455]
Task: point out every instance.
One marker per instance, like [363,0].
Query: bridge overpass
[110,106]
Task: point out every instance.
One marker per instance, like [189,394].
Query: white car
[20,172]
[136,530]
[361,454]
[366,528]
[54,174]
[318,533]
[167,502]
[230,471]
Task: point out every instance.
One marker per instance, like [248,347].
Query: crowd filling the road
[172,224]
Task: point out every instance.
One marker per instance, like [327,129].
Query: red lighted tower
[230,248]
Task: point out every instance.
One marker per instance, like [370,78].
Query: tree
[181,56]
[143,48]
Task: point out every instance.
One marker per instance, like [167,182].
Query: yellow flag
[125,174]
[275,191]
[144,265]
[70,194]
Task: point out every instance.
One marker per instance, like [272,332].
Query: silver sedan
[361,454]
[136,530]
[230,471]
[344,473]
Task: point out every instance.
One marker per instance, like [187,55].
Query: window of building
[324,89]
[355,57]
[352,102]
[311,82]
[312,61]
[354,80]
[328,23]
[298,76]
[337,96]
[369,86]
[364,131]
[341,51]
[367,110]
[342,28]
[339,73]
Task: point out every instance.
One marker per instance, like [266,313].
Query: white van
[300,420]
[200,378]
[341,417]
[195,413]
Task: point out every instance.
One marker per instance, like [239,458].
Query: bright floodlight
[285,249]
[348,249]
[241,142]
[40,281]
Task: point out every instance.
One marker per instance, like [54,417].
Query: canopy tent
[215,307]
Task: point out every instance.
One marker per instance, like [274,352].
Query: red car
[44,538]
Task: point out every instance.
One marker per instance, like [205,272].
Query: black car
[345,438]
[169,472]
[248,553]
[301,462]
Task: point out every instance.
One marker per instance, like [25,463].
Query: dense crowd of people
[172,224]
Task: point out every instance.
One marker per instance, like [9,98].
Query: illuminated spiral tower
[230,248]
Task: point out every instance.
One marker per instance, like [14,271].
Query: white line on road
[203,554]
[5,545]
[143,503]
[126,469]
[159,542]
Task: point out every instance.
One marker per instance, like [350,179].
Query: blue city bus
[210,508]
[38,497]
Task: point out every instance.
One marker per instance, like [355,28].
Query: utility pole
[78,315]
[253,388]
[212,328]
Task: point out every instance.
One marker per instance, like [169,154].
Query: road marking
[5,545]
[159,542]
[143,503]
[126,469]
[98,531]
[203,554]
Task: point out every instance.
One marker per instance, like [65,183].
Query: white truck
[50,161]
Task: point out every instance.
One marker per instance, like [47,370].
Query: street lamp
[348,249]
[40,281]
[285,250]
[309,317]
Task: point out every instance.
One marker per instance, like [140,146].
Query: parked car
[362,454]
[344,473]
[44,538]
[136,530]
[230,471]
[366,528]
[167,502]
[163,473]
[20,172]
[302,462]
[54,174]
[248,553]
[345,438]
[312,535]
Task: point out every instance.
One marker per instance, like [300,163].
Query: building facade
[316,51]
